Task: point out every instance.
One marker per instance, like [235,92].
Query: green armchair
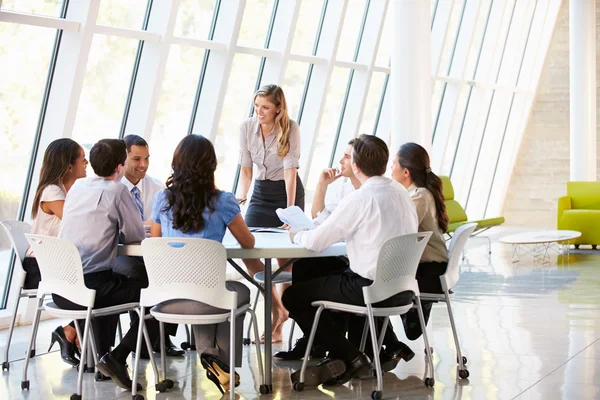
[579,211]
[458,216]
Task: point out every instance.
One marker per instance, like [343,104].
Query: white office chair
[62,274]
[283,277]
[396,270]
[190,269]
[448,280]
[16,231]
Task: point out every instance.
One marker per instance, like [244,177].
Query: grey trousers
[214,339]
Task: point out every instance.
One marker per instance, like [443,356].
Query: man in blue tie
[142,188]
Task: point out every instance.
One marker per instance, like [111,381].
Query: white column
[582,76]
[411,73]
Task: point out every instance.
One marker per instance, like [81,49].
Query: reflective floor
[530,330]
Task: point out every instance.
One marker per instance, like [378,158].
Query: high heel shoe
[218,372]
[67,349]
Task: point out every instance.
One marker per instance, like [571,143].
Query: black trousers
[111,290]
[344,287]
[134,268]
[32,276]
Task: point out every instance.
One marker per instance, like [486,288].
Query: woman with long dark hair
[270,142]
[191,206]
[64,162]
[411,168]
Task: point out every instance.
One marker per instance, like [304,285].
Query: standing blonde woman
[270,142]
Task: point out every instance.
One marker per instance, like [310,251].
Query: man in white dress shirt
[142,188]
[366,218]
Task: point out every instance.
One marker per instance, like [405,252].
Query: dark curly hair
[191,186]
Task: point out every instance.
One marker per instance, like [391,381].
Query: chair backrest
[457,244]
[456,213]
[16,230]
[397,267]
[60,266]
[584,195]
[190,269]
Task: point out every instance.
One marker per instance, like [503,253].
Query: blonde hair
[275,94]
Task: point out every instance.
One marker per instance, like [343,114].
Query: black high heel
[67,349]
[218,372]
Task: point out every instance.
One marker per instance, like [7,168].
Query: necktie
[135,192]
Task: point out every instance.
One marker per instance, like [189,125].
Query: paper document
[295,217]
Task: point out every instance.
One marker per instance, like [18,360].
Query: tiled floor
[530,331]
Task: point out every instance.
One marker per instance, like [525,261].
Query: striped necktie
[135,192]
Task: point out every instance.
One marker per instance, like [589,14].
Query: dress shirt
[263,153]
[148,187]
[435,251]
[47,224]
[95,211]
[332,202]
[379,210]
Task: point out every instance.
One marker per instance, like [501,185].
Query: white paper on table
[295,217]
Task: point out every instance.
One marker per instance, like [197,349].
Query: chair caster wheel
[246,342]
[137,397]
[32,353]
[299,386]
[161,387]
[376,395]
[186,345]
[24,385]
[75,396]
[463,374]
[264,389]
[169,383]
[464,360]
[429,382]
[5,366]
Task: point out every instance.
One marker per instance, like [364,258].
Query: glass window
[385,42]
[194,18]
[25,53]
[237,105]
[42,7]
[328,127]
[255,23]
[124,14]
[455,129]
[478,36]
[174,106]
[351,30]
[293,86]
[105,89]
[372,104]
[452,31]
[306,27]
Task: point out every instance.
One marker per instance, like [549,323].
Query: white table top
[540,237]
[268,245]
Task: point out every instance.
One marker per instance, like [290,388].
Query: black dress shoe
[170,349]
[360,366]
[326,371]
[67,349]
[297,353]
[108,366]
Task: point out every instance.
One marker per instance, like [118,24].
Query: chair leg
[363,339]
[311,339]
[138,349]
[246,340]
[291,335]
[163,355]
[119,329]
[5,364]
[232,356]
[84,349]
[34,328]
[459,356]
[382,334]
[429,381]
[261,371]
[149,347]
[375,344]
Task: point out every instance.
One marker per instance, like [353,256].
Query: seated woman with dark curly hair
[191,206]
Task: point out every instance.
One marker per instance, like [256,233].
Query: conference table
[270,244]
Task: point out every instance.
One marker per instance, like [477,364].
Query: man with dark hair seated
[97,210]
[380,210]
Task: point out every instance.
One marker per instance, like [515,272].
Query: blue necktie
[135,192]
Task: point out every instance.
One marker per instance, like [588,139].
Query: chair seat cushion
[378,312]
[282,277]
[56,311]
[194,319]
[481,223]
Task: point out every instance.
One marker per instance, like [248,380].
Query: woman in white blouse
[64,163]
[270,146]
